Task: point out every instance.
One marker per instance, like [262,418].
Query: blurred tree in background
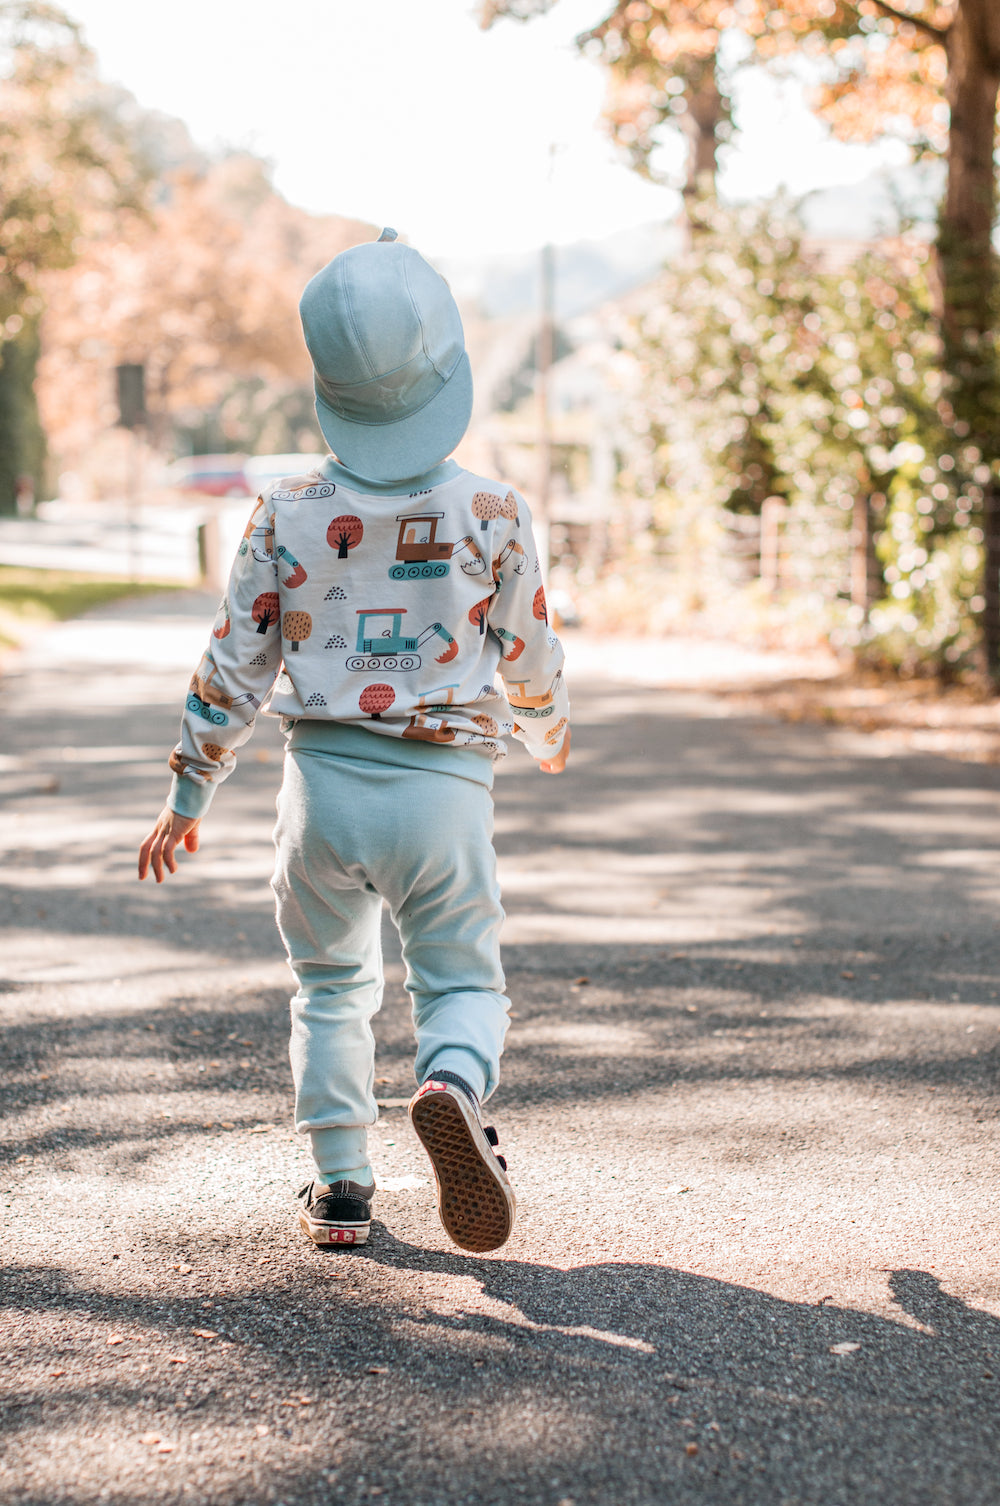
[121,242]
[916,449]
[204,292]
[64,160]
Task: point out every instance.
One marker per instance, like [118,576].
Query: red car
[209,475]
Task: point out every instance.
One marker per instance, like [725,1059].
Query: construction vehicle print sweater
[385,609]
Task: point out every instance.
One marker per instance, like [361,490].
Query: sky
[403,112]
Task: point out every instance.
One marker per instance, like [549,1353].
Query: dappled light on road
[749,1103]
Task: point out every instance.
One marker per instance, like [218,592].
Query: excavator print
[428,729]
[520,560]
[390,648]
[420,555]
[531,705]
[207,700]
[438,699]
[259,539]
[516,648]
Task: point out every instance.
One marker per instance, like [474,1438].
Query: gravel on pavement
[750,1105]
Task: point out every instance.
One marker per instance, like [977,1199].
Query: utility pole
[131,384]
[545,343]
[545,350]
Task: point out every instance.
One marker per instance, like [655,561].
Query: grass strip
[33,598]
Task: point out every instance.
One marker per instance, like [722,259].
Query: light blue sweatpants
[361,818]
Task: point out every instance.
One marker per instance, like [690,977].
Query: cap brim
[408,447]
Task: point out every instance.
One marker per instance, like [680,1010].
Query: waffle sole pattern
[475,1199]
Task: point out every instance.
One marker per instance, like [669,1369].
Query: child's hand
[157,852]
[558,763]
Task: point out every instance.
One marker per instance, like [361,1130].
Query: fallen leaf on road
[165,1448]
[262,1430]
[677,1187]
[55,1374]
[845,1348]
[847,973]
[205,1333]
[149,1437]
[226,1124]
[184,1269]
[690,1449]
[176,1359]
[580,981]
[260,1129]
[378,1369]
[115,1338]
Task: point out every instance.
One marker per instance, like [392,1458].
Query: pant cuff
[465,1064]
[341,1153]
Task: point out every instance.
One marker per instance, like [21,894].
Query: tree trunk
[706,110]
[22,441]
[990,618]
[968,266]
[969,209]
[704,115]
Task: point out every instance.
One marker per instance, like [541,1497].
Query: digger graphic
[390,648]
[420,555]
[531,705]
[259,539]
[207,700]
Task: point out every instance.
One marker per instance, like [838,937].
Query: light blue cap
[393,382]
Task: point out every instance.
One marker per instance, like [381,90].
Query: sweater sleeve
[531,656]
[235,674]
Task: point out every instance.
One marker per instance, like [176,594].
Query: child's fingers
[157,852]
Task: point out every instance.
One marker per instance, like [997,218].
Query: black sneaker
[475,1199]
[336,1214]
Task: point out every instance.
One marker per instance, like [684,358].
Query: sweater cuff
[187,798]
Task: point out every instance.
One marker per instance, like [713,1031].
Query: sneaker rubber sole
[476,1202]
[343,1232]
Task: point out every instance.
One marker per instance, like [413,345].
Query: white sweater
[389,611]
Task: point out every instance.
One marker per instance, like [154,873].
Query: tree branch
[938,33]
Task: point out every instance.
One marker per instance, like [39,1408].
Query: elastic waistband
[342,740]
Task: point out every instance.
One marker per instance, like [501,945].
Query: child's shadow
[735,1344]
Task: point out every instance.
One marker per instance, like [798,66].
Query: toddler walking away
[370,606]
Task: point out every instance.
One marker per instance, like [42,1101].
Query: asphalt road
[749,1103]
